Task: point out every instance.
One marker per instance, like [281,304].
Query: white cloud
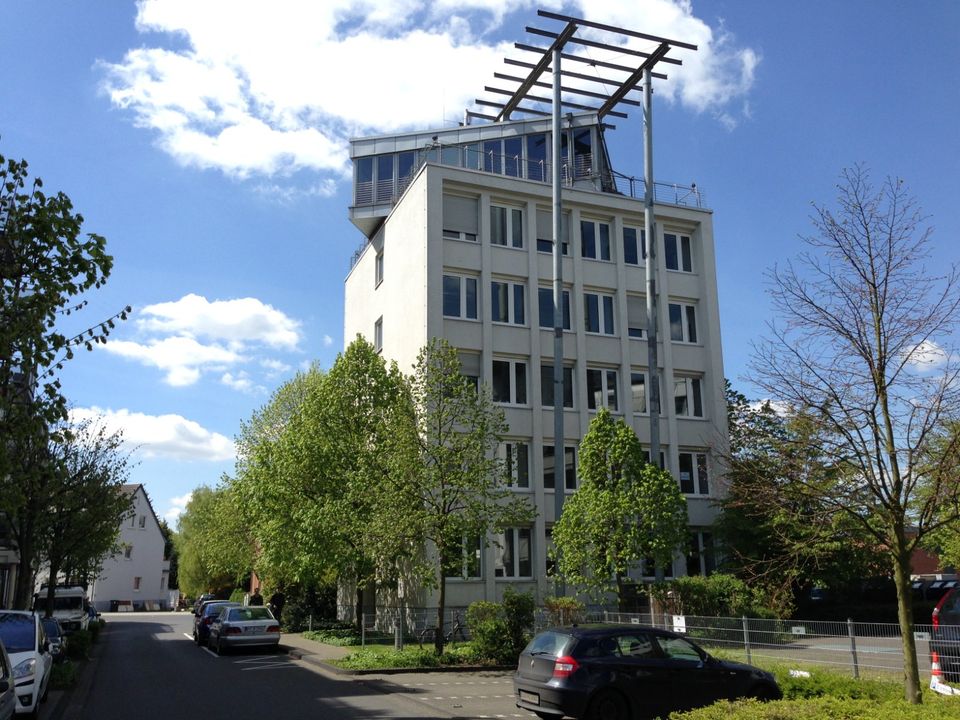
[182,358]
[267,90]
[327,341]
[176,507]
[161,436]
[927,356]
[243,382]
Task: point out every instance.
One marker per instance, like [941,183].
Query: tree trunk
[911,671]
[52,586]
[23,592]
[620,592]
[438,635]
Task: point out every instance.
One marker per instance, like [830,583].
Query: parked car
[8,696]
[945,638]
[69,606]
[22,634]
[201,600]
[627,671]
[205,615]
[56,637]
[244,627]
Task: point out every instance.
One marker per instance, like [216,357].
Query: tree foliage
[626,510]
[859,352]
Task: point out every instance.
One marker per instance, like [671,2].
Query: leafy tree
[626,510]
[449,488]
[861,312]
[170,553]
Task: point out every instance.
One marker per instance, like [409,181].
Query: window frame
[513,467]
[599,247]
[514,228]
[546,384]
[605,388]
[465,306]
[693,387]
[378,334]
[565,309]
[639,243]
[516,394]
[681,254]
[702,550]
[378,269]
[688,320]
[512,315]
[469,545]
[516,534]
[571,481]
[698,483]
[606,313]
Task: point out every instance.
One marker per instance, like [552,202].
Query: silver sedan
[244,627]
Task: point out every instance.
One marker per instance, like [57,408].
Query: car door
[8,697]
[644,676]
[693,680]
[44,658]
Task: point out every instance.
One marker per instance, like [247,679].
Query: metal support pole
[653,387]
[559,455]
[853,648]
[363,630]
[746,637]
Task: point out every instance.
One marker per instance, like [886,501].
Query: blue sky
[207,142]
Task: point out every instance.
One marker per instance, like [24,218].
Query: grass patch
[347,637]
[935,707]
[64,675]
[382,658]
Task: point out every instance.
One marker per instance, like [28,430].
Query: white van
[69,606]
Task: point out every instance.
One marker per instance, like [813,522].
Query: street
[147,667]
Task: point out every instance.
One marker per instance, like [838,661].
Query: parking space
[462,695]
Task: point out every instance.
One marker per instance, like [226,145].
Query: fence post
[746,637]
[310,622]
[363,630]
[853,648]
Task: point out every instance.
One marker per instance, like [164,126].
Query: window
[385,178]
[133,520]
[676,252]
[545,296]
[594,240]
[460,218]
[650,568]
[464,559]
[506,226]
[460,297]
[633,253]
[470,368]
[537,157]
[686,397]
[378,334]
[378,269]
[510,382]
[693,473]
[128,552]
[546,384]
[636,316]
[598,313]
[545,232]
[516,463]
[602,389]
[512,555]
[136,584]
[702,557]
[569,467]
[638,392]
[506,302]
[683,323]
[143,522]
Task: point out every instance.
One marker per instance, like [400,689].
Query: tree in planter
[626,510]
[858,353]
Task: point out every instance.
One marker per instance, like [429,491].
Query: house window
[128,552]
[464,559]
[602,389]
[569,467]
[702,557]
[378,334]
[136,584]
[638,392]
[470,368]
[594,240]
[545,232]
[545,296]
[378,269]
[133,520]
[598,313]
[546,384]
[694,479]
[683,323]
[512,553]
[460,218]
[636,316]
[506,226]
[460,297]
[143,521]
[676,252]
[634,252]
[516,463]
[686,397]
[506,302]
[650,568]
[510,382]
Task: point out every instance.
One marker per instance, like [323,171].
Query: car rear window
[549,643]
[51,628]
[18,632]
[250,613]
[952,603]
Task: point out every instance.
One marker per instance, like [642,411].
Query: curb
[72,700]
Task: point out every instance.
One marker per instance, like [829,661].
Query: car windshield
[51,627]
[18,632]
[59,603]
[214,609]
[250,613]
[548,643]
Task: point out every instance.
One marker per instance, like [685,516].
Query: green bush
[518,609]
[564,610]
[237,595]
[934,708]
[63,675]
[303,603]
[490,631]
[716,595]
[375,658]
[78,644]
[94,629]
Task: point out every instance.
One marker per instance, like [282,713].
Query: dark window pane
[520,375]
[612,390]
[545,297]
[608,315]
[697,400]
[501,381]
[471,298]
[536,157]
[492,156]
[604,241]
[451,296]
[691,324]
[523,464]
[512,151]
[498,225]
[592,312]
[686,473]
[524,566]
[670,251]
[594,389]
[638,387]
[518,314]
[685,253]
[630,246]
[680,397]
[516,230]
[498,302]
[588,240]
[676,323]
[703,480]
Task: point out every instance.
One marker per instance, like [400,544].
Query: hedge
[934,708]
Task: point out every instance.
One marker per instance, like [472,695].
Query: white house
[136,577]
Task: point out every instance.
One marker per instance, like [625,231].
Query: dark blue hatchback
[614,672]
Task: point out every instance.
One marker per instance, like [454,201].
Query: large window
[638,392]
[378,334]
[569,467]
[602,389]
[460,218]
[687,399]
[460,297]
[683,323]
[694,479]
[506,226]
[545,297]
[702,557]
[470,368]
[676,252]
[506,302]
[594,240]
[512,553]
[546,384]
[636,316]
[598,313]
[510,382]
[545,232]
[515,456]
[634,246]
[464,559]
[537,157]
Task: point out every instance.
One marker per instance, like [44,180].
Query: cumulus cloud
[176,506]
[257,90]
[172,437]
[928,356]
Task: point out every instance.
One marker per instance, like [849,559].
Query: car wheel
[608,705]
[196,638]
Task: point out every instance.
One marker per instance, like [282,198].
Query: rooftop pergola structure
[546,73]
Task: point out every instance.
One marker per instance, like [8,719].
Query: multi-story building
[458,226]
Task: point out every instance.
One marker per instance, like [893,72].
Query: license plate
[530,697]
[252,630]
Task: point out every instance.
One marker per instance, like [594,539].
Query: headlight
[25,669]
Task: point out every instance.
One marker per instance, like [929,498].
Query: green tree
[170,554]
[449,487]
[859,351]
[625,511]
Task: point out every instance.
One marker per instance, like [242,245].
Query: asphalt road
[147,668]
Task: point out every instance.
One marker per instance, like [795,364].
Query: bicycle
[430,633]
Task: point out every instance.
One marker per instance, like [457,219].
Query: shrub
[564,610]
[716,595]
[237,595]
[94,629]
[374,658]
[934,708]
[78,644]
[303,603]
[518,611]
[490,632]
[63,675]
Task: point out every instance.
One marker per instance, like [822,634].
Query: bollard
[746,637]
[853,648]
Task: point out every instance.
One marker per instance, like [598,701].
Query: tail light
[207,620]
[273,629]
[565,666]
[936,611]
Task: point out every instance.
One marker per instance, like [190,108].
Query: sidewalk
[313,652]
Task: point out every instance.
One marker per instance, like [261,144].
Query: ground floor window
[701,559]
[512,553]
